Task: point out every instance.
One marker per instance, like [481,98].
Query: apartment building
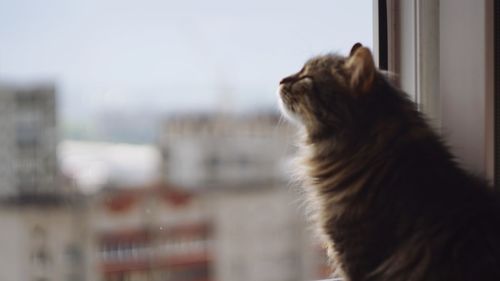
[28,140]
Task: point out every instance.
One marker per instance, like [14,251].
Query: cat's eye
[307,77]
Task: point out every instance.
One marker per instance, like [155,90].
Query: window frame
[430,48]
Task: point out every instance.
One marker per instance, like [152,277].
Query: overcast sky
[170,55]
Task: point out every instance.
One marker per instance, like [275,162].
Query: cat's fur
[391,200]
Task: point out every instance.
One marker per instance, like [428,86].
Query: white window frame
[442,51]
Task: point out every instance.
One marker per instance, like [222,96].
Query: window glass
[171,153]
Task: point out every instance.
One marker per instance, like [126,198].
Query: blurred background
[140,140]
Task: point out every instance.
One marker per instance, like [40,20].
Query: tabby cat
[390,199]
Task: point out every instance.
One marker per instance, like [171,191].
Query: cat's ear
[362,69]
[354,48]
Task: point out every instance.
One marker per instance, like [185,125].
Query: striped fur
[389,198]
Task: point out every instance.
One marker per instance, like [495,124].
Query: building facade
[168,234]
[239,164]
[28,140]
[150,233]
[42,243]
[205,151]
[229,215]
[42,229]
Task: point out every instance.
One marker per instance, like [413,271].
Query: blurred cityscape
[210,200]
[140,140]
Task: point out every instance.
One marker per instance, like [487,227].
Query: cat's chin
[287,113]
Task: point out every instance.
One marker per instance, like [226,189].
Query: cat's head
[324,95]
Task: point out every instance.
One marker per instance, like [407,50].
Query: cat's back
[442,223]
[459,239]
